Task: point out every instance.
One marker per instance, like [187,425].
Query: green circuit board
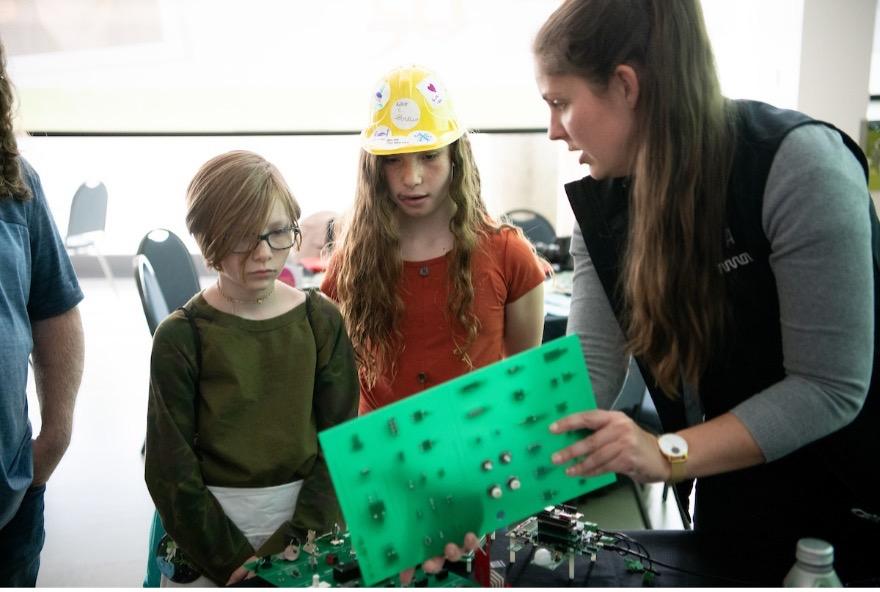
[469,455]
[331,562]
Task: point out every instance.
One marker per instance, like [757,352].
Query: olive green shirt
[247,416]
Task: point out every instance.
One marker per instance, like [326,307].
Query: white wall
[757,45]
[272,65]
[838,39]
[146,177]
[263,65]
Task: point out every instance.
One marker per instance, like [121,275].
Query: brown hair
[231,198]
[674,291]
[368,263]
[11,183]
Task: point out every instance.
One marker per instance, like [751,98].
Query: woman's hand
[242,573]
[616,444]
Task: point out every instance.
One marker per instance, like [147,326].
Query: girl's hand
[451,552]
[616,444]
[242,573]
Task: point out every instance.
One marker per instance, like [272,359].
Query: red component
[482,566]
[330,558]
[287,276]
[313,264]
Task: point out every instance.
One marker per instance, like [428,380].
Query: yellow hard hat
[411,112]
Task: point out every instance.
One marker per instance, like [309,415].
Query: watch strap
[677,469]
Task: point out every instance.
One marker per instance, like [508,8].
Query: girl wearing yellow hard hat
[430,286]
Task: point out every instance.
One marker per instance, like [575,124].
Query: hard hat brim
[403,145]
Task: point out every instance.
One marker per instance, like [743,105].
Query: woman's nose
[556,131]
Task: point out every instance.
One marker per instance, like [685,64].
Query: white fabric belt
[258,511]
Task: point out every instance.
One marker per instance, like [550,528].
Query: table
[702,560]
[556,307]
[706,560]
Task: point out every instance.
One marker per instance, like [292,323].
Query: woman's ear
[627,81]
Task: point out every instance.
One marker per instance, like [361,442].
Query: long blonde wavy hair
[673,289]
[368,264]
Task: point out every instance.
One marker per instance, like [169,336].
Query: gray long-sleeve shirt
[815,215]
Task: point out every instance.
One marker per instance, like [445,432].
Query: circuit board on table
[469,455]
[331,562]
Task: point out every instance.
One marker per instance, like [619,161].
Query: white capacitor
[542,557]
[318,583]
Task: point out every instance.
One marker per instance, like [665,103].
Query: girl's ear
[627,81]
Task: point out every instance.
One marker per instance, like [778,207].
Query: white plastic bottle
[814,567]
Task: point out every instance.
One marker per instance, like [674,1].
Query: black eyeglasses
[280,239]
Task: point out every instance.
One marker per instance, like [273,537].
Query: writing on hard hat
[410,112]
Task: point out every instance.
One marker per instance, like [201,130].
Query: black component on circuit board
[346,572]
[557,526]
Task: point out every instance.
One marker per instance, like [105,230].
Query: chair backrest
[155,308]
[88,211]
[172,267]
[535,226]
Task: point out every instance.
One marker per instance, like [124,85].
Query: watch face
[673,446]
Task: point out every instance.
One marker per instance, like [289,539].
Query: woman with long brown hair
[732,248]
[429,285]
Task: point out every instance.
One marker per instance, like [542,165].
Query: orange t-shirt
[503,269]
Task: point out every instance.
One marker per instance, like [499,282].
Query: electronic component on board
[332,562]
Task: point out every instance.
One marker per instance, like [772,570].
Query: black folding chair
[165,275]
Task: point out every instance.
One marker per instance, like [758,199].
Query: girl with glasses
[242,379]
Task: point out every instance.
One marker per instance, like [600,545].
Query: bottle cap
[815,552]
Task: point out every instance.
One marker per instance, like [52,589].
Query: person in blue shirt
[39,318]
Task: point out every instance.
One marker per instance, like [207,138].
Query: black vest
[814,490]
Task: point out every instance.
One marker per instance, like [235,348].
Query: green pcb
[330,562]
[469,455]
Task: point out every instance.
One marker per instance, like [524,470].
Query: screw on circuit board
[554,354]
[377,509]
[471,387]
[391,555]
[477,412]
[550,494]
